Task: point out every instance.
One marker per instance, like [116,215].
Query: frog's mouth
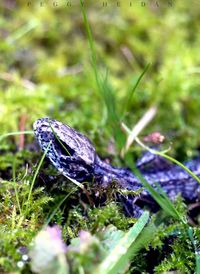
[66,160]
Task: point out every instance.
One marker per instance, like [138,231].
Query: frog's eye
[62,148]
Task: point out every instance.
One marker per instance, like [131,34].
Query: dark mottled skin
[80,162]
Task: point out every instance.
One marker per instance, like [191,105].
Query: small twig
[142,123]
[11,78]
[22,124]
[73,70]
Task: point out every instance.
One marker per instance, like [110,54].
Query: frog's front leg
[129,206]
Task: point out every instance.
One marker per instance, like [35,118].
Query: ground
[96,73]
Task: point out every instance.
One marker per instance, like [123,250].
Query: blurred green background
[46,70]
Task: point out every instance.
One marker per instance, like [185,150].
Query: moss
[46,71]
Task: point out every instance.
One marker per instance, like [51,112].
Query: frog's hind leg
[152,162]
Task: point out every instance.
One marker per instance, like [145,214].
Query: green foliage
[171,246]
[106,253]
[46,71]
[122,249]
[97,219]
[18,228]
[182,256]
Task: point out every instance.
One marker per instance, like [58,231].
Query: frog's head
[69,151]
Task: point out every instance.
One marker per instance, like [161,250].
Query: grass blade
[162,200]
[57,207]
[197,254]
[118,257]
[15,185]
[171,159]
[3,136]
[130,95]
[63,146]
[36,172]
[92,47]
[104,87]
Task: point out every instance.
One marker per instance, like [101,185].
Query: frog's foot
[129,206]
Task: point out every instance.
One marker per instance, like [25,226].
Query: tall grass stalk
[3,136]
[15,185]
[36,173]
[130,95]
[104,87]
[57,208]
[114,116]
